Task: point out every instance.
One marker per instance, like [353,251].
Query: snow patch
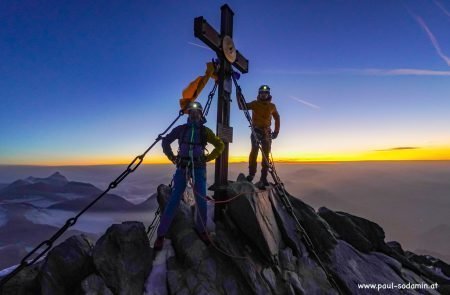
[156,283]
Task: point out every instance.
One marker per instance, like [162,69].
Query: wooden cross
[223,45]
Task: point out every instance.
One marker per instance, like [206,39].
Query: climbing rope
[211,241]
[279,187]
[157,219]
[48,244]
[208,199]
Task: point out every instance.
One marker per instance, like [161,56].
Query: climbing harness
[48,244]
[279,187]
[183,162]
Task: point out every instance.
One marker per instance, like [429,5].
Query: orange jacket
[262,112]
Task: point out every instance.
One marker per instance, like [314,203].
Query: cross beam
[220,43]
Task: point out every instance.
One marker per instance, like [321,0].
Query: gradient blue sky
[91,81]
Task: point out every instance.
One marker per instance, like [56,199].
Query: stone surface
[66,266]
[26,282]
[354,267]
[122,257]
[257,248]
[362,234]
[94,285]
[253,215]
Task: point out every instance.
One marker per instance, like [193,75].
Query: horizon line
[235,162]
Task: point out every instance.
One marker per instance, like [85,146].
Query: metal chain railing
[208,102]
[280,189]
[154,224]
[48,244]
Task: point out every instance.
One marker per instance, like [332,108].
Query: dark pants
[177,192]
[266,143]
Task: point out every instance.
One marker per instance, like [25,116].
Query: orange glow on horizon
[400,154]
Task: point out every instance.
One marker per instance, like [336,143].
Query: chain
[154,225]
[208,102]
[48,244]
[280,189]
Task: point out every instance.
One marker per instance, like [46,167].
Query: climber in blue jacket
[191,164]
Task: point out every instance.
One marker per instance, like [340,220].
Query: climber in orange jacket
[262,112]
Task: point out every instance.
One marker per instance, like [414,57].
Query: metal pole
[223,108]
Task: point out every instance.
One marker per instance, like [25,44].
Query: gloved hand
[173,159]
[208,158]
[274,135]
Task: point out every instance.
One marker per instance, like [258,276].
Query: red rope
[204,225]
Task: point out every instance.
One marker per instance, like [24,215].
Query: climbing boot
[264,181]
[159,243]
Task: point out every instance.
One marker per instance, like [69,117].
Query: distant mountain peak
[55,179]
[58,176]
[329,253]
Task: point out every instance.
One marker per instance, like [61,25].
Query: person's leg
[252,165]
[173,202]
[266,146]
[200,199]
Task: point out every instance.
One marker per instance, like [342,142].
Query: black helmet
[264,88]
[194,105]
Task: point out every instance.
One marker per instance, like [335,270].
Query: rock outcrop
[122,257]
[257,247]
[66,266]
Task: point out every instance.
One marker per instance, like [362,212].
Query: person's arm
[216,142]
[167,141]
[276,117]
[248,105]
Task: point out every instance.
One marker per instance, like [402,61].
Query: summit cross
[228,57]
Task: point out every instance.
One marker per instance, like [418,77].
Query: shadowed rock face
[362,234]
[257,248]
[123,258]
[66,265]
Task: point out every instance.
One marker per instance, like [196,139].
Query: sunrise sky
[95,82]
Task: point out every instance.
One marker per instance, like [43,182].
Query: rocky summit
[256,247]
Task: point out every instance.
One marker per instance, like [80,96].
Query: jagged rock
[353,268]
[396,247]
[429,261]
[94,285]
[259,277]
[26,282]
[253,215]
[66,266]
[243,259]
[277,256]
[195,268]
[320,233]
[361,233]
[122,256]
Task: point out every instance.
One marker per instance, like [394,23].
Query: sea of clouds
[410,200]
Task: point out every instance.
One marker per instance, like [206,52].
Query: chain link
[208,102]
[280,189]
[71,221]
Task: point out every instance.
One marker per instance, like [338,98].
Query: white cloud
[311,105]
[441,7]
[199,45]
[432,38]
[363,72]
